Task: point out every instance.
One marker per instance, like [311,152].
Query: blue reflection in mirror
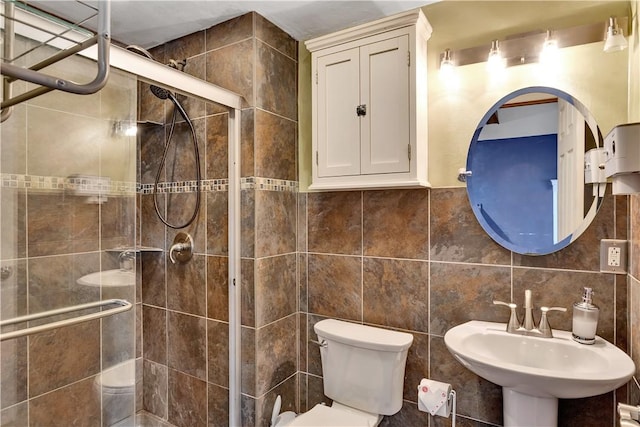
[526,159]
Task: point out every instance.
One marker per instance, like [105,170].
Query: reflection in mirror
[526,171]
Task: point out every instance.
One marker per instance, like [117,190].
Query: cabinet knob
[361,110]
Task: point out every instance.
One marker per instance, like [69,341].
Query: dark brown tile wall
[418,261]
[187,400]
[62,405]
[185,315]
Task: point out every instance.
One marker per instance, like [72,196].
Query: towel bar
[122,305]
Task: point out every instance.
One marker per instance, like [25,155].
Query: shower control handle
[182,248]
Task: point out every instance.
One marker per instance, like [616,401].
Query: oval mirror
[526,170]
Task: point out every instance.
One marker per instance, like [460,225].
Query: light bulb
[446,65]
[448,72]
[615,40]
[549,54]
[495,61]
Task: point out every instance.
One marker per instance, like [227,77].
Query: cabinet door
[385,92]
[338,127]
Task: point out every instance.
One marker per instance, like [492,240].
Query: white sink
[536,371]
[109,278]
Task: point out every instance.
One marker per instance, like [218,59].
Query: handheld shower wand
[164,94]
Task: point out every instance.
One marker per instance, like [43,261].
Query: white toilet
[117,386]
[363,370]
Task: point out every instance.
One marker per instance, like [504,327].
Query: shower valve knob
[182,248]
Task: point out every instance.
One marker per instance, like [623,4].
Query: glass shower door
[67,210]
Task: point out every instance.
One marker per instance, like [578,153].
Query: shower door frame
[156,73]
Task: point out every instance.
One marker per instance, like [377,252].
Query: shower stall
[79,235]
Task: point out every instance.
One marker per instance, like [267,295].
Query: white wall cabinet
[369,107]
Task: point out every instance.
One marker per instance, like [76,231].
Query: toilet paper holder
[629,414]
[442,403]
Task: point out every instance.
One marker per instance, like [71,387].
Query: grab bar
[123,305]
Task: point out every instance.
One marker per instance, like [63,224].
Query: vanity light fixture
[525,48]
[495,61]
[615,40]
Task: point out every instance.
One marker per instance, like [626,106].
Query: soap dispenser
[585,319]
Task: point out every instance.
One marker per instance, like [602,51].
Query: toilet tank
[363,366]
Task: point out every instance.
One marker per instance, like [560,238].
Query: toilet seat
[335,416]
[119,379]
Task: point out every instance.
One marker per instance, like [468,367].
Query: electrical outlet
[613,256]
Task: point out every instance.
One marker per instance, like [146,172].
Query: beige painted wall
[597,79]
[454,115]
[634,65]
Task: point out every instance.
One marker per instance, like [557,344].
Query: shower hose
[165,94]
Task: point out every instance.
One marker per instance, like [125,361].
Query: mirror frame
[598,198]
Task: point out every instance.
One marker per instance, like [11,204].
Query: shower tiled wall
[418,261]
[185,307]
[51,237]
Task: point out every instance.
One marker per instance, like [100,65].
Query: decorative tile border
[80,185]
[276,185]
[86,185]
[208,185]
[83,185]
[32,181]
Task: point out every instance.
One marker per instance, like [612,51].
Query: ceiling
[148,23]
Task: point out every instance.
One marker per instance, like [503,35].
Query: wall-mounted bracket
[69,39]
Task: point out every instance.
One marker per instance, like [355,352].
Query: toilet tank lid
[363,336]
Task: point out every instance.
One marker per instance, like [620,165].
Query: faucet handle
[126,260]
[544,327]
[514,323]
[547,309]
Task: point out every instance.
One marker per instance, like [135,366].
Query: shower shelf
[148,123]
[51,33]
[121,306]
[136,249]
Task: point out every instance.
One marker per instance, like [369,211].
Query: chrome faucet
[528,323]
[527,327]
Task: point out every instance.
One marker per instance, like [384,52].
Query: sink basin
[109,278]
[536,371]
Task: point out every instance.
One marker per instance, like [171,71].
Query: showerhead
[157,91]
[140,51]
[160,92]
